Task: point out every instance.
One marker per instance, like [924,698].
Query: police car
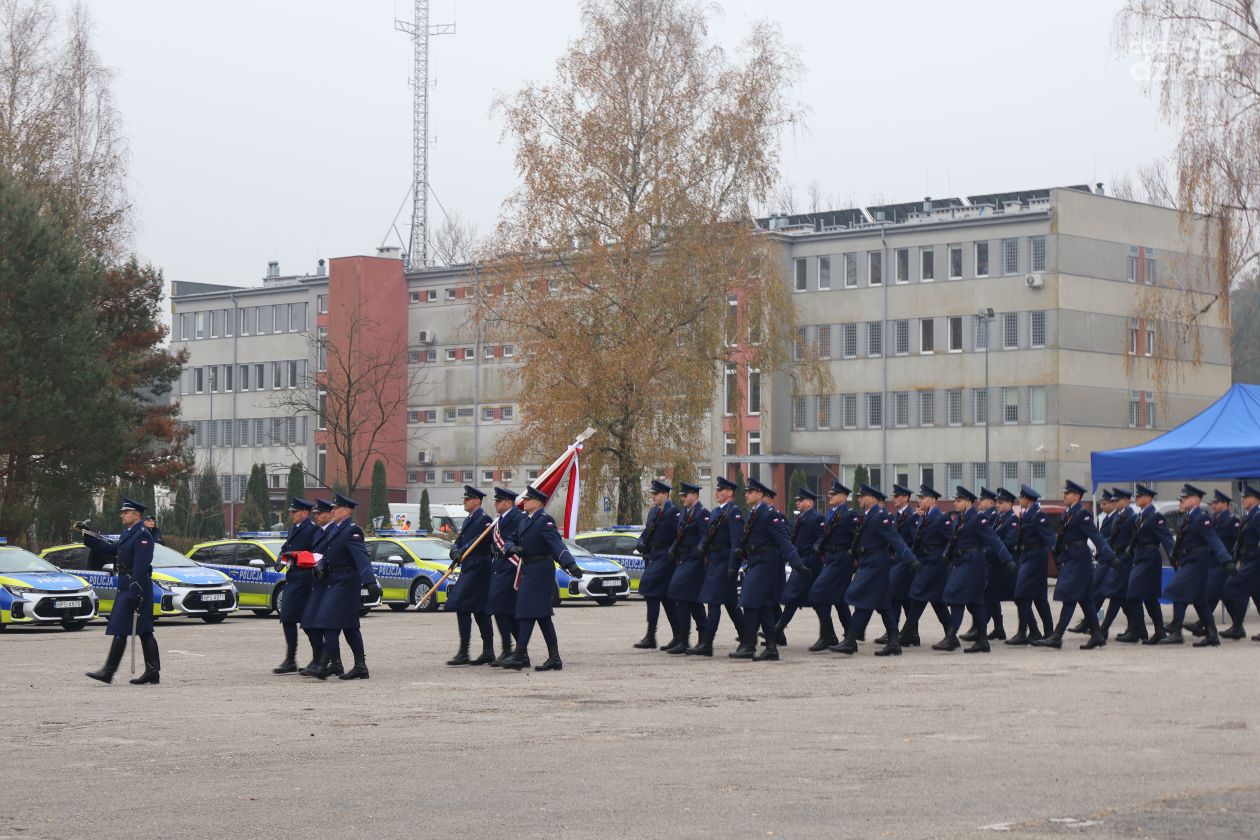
[34,591]
[618,545]
[604,580]
[408,564]
[252,562]
[180,586]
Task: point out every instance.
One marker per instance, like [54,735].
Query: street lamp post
[986,315]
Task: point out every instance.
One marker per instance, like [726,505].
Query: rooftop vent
[389,252]
[273,269]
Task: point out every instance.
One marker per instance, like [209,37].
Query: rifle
[644,545]
[1060,532]
[828,527]
[707,540]
[1133,539]
[952,547]
[1178,547]
[682,530]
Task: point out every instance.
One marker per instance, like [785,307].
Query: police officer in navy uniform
[658,535]
[688,577]
[347,570]
[1107,504]
[875,544]
[133,569]
[764,547]
[1244,584]
[467,598]
[501,597]
[1227,527]
[805,532]
[834,549]
[539,548]
[297,583]
[901,574]
[930,539]
[717,591]
[1150,543]
[321,514]
[1076,572]
[1197,550]
[1001,584]
[151,524]
[986,505]
[1033,542]
[972,533]
[1114,586]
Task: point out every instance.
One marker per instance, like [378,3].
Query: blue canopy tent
[1221,443]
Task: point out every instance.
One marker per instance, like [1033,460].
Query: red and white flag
[548,481]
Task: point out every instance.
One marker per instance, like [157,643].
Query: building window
[413,476]
[199,382]
[450,354]
[980,406]
[954,406]
[260,377]
[874,338]
[448,415]
[824,273]
[824,411]
[448,476]
[979,474]
[754,391]
[798,349]
[850,271]
[1010,474]
[277,375]
[876,266]
[982,259]
[1037,404]
[1037,328]
[487,352]
[487,476]
[927,474]
[981,336]
[798,413]
[848,340]
[293,374]
[901,474]
[1037,246]
[956,334]
[953,473]
[505,413]
[465,412]
[849,411]
[799,273]
[824,341]
[415,297]
[487,415]
[901,337]
[1150,269]
[732,321]
[955,262]
[450,294]
[754,443]
[1010,330]
[1133,336]
[321,303]
[1131,268]
[243,375]
[927,408]
[216,322]
[509,350]
[728,444]
[321,464]
[731,390]
[1010,405]
[927,264]
[1150,341]
[1010,256]
[1150,409]
[874,410]
[901,409]
[321,348]
[1037,476]
[228,370]
[927,336]
[413,357]
[902,265]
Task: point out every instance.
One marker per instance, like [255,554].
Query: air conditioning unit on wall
[427,337]
[1035,281]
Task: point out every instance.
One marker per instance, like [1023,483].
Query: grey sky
[281,129]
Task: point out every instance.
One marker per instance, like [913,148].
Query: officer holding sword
[300,576]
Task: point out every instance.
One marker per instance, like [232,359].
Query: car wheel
[216,618]
[421,588]
[605,602]
[277,598]
[74,625]
[398,607]
[261,613]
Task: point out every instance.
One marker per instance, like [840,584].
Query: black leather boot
[1095,641]
[1054,640]
[679,645]
[152,664]
[950,642]
[704,647]
[1129,636]
[517,660]
[744,651]
[823,643]
[1210,637]
[1195,627]
[116,649]
[552,662]
[648,642]
[322,669]
[1034,634]
[462,657]
[289,665]
[770,653]
[909,637]
[980,645]
[503,657]
[487,654]
[848,646]
[893,648]
[882,640]
[970,635]
[998,633]
[359,671]
[1079,627]
[1020,638]
[1234,631]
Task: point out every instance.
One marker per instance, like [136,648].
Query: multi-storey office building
[993,340]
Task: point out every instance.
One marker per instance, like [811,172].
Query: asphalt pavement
[1115,743]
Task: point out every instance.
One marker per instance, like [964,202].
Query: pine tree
[426,520]
[297,482]
[178,521]
[740,482]
[209,518]
[795,482]
[379,506]
[860,476]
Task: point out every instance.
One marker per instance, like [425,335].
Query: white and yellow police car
[408,564]
[34,591]
[618,545]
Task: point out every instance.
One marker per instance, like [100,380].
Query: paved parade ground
[1121,742]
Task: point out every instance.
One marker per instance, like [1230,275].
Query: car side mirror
[258,564]
[108,568]
[395,558]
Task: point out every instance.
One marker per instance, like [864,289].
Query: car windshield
[16,561]
[272,545]
[577,550]
[430,549]
[169,558]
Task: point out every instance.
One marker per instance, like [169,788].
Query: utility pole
[420,32]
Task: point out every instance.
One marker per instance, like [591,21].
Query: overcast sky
[281,129]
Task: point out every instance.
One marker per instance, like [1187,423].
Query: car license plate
[362,593]
[214,596]
[67,605]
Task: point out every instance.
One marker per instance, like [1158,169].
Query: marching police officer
[688,576]
[1001,584]
[764,546]
[1114,586]
[875,544]
[1076,574]
[1245,583]
[986,505]
[501,597]
[1227,527]
[1197,549]
[346,569]
[1150,544]
[901,574]
[658,535]
[717,591]
[928,587]
[467,598]
[1107,504]
[538,548]
[834,550]
[297,583]
[971,534]
[1032,550]
[805,532]
[133,568]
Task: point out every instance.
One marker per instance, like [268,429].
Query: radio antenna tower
[420,32]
